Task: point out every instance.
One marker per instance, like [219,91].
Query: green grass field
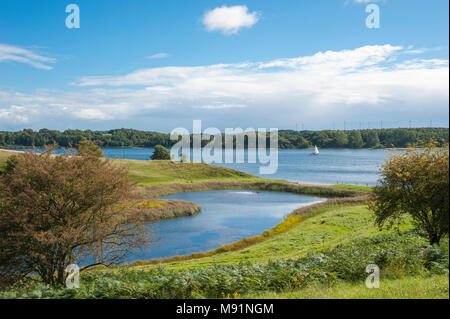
[149,173]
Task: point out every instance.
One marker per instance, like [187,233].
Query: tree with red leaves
[62,210]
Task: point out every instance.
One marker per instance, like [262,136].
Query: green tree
[355,139]
[341,139]
[161,153]
[89,148]
[372,139]
[415,183]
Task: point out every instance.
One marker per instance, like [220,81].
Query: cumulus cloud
[378,80]
[10,53]
[229,20]
[161,55]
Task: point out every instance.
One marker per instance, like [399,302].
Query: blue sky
[157,65]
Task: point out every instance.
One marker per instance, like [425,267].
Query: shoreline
[296,217]
[152,193]
[333,197]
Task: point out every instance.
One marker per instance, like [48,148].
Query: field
[321,252]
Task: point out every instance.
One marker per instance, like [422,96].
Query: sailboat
[316,150]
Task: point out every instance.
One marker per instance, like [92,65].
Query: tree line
[288,139]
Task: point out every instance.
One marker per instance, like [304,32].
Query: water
[229,216]
[226,217]
[332,166]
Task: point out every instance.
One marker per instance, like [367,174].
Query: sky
[159,65]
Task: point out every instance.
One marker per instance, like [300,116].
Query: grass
[338,271]
[3,157]
[157,173]
[327,227]
[150,173]
[353,187]
[344,231]
[148,211]
[416,287]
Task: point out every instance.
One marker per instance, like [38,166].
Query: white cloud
[220,106]
[14,114]
[10,53]
[161,55]
[377,80]
[91,114]
[229,20]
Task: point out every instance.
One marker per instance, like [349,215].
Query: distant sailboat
[316,150]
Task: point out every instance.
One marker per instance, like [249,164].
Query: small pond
[227,216]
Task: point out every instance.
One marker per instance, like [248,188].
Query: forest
[288,139]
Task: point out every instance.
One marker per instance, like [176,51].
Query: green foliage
[395,254]
[288,139]
[355,139]
[160,154]
[415,183]
[341,139]
[373,141]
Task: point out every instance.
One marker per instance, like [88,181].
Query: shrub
[89,148]
[415,183]
[160,153]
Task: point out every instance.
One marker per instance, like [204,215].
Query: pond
[226,217]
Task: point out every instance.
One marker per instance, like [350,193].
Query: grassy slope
[147,173]
[433,287]
[150,173]
[3,156]
[342,223]
[353,187]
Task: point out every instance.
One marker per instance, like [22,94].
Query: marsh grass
[261,185]
[154,210]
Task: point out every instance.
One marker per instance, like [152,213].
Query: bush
[160,154]
[415,183]
[89,148]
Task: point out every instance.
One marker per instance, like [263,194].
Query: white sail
[316,150]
